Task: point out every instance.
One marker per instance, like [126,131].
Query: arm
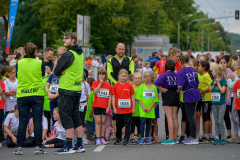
[234,100]
[144,108]
[9,133]
[133,103]
[63,63]
[164,90]
[1,90]
[153,104]
[113,104]
[109,104]
[30,130]
[205,90]
[51,96]
[221,88]
[50,138]
[96,90]
[10,93]
[109,72]
[232,83]
[44,134]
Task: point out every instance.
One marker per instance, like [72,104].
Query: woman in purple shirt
[187,81]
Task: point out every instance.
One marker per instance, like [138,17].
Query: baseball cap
[238,50]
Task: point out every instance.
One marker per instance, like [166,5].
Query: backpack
[152,62]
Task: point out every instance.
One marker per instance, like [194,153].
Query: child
[147,67]
[167,83]
[187,81]
[137,80]
[219,89]
[89,112]
[147,97]
[130,79]
[141,65]
[123,102]
[58,139]
[10,89]
[204,70]
[11,124]
[102,103]
[2,103]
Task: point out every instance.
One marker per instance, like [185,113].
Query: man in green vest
[118,62]
[70,70]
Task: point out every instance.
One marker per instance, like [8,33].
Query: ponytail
[184,59]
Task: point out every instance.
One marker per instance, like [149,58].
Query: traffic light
[236,14]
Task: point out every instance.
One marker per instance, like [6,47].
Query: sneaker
[65,150]
[191,141]
[233,139]
[141,141]
[157,140]
[94,136]
[168,142]
[103,142]
[216,141]
[153,138]
[181,139]
[117,142]
[86,142]
[106,140]
[18,151]
[176,140]
[204,140]
[132,142]
[238,142]
[79,149]
[223,141]
[228,137]
[125,142]
[185,140]
[147,141]
[211,139]
[98,142]
[40,150]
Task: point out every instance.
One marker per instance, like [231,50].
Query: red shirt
[2,100]
[123,100]
[236,89]
[101,99]
[159,64]
[162,67]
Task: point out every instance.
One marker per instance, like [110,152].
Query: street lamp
[202,31]
[217,31]
[215,40]
[190,15]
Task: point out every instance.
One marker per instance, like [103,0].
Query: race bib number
[149,94]
[63,135]
[203,97]
[103,93]
[124,103]
[81,107]
[13,98]
[215,97]
[238,93]
[54,88]
[14,131]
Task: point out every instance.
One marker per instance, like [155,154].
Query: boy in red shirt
[123,102]
[2,103]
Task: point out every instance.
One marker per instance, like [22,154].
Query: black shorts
[170,98]
[199,106]
[99,111]
[69,111]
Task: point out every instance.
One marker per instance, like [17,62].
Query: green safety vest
[29,78]
[72,79]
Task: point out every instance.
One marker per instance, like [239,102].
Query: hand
[234,109]
[44,142]
[115,131]
[63,72]
[216,80]
[229,76]
[164,90]
[91,115]
[14,139]
[145,109]
[115,111]
[148,109]
[133,111]
[51,96]
[107,110]
[101,80]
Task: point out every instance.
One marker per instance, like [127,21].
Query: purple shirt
[167,80]
[188,78]
[228,102]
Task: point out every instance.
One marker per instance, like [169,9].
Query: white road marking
[99,148]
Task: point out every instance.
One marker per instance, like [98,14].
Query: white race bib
[14,131]
[1,98]
[63,135]
[215,97]
[81,107]
[238,93]
[13,98]
[124,103]
[149,94]
[103,93]
[54,88]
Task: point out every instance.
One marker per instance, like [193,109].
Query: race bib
[149,94]
[103,93]
[238,93]
[13,98]
[14,131]
[1,98]
[215,97]
[203,97]
[124,103]
[63,135]
[54,88]
[81,107]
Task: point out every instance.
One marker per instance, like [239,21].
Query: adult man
[61,50]
[48,58]
[89,62]
[118,62]
[238,53]
[153,60]
[221,54]
[70,70]
[190,54]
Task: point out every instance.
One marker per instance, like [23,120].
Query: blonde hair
[142,64]
[219,71]
[137,74]
[205,56]
[47,71]
[123,71]
[102,71]
[149,74]
[62,48]
[146,63]
[173,51]
[238,62]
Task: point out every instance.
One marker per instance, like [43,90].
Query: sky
[222,8]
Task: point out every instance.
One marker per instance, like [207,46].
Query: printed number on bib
[13,98]
[215,97]
[123,103]
[14,131]
[103,93]
[81,107]
[54,88]
[238,93]
[149,94]
[63,135]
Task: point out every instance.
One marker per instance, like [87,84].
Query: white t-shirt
[59,131]
[144,69]
[85,92]
[12,122]
[44,124]
[10,101]
[100,65]
[94,63]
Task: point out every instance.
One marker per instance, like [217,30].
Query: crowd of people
[56,101]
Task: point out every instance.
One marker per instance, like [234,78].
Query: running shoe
[18,151]
[190,141]
[125,142]
[168,142]
[147,141]
[223,141]
[98,142]
[117,142]
[103,142]
[65,150]
[94,136]
[238,142]
[153,138]
[157,140]
[176,140]
[79,149]
[228,137]
[86,141]
[211,139]
[132,142]
[216,141]
[181,139]
[233,139]
[40,150]
[204,140]
[106,140]
[141,141]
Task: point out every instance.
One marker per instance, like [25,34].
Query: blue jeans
[24,105]
[144,121]
[52,106]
